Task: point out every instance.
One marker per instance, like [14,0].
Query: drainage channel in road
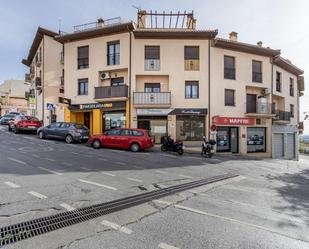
[17,232]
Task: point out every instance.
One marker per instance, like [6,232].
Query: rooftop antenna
[137,7]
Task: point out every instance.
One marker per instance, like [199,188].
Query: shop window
[83,57]
[229,68]
[114,120]
[256,140]
[117,81]
[152,88]
[190,128]
[229,97]
[191,90]
[82,86]
[113,53]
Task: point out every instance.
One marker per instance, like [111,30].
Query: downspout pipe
[209,89]
[130,75]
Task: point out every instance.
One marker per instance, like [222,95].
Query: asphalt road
[267,206]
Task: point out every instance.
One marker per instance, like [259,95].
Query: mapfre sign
[233,121]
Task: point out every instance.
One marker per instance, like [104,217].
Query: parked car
[70,132]
[6,118]
[133,139]
[24,123]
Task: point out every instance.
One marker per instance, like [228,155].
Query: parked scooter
[170,145]
[208,147]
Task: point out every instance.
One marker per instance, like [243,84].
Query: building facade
[45,62]
[182,82]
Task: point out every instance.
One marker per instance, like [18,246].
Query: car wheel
[16,131]
[96,144]
[135,147]
[164,148]
[41,135]
[69,139]
[180,151]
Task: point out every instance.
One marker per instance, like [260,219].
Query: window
[190,128]
[137,133]
[291,87]
[83,57]
[113,53]
[256,140]
[257,75]
[278,81]
[55,125]
[117,81]
[152,52]
[115,132]
[65,125]
[229,67]
[152,88]
[229,97]
[192,58]
[82,86]
[126,132]
[292,111]
[191,90]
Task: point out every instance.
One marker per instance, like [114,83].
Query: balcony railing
[282,115]
[152,65]
[192,65]
[142,98]
[103,92]
[260,108]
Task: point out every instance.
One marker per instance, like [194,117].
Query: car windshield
[80,126]
[9,116]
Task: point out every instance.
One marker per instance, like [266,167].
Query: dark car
[70,132]
[24,123]
[133,139]
[6,118]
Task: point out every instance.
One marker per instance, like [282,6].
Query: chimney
[191,22]
[100,23]
[259,43]
[233,36]
[142,18]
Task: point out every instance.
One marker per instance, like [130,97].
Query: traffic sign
[213,127]
[50,106]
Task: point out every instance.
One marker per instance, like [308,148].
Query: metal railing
[192,65]
[95,25]
[142,98]
[260,108]
[102,92]
[282,115]
[152,65]
[27,77]
[229,73]
[257,77]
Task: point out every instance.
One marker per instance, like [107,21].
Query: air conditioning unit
[104,76]
[265,91]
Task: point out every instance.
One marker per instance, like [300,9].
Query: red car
[133,139]
[25,123]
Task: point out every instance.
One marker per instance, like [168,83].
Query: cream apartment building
[45,62]
[181,81]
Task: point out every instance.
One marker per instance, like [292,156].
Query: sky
[280,24]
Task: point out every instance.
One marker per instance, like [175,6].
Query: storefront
[99,117]
[190,123]
[241,135]
[153,120]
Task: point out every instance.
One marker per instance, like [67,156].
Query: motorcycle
[170,145]
[208,147]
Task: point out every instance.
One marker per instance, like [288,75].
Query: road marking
[161,172]
[50,159]
[38,195]
[34,155]
[120,151]
[190,177]
[12,185]
[16,160]
[84,168]
[134,179]
[89,156]
[31,138]
[166,246]
[116,227]
[120,163]
[67,207]
[97,184]
[50,171]
[163,202]
[108,174]
[103,159]
[67,164]
[75,153]
[137,167]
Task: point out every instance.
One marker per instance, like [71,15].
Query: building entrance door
[227,139]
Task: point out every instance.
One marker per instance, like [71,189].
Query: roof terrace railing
[98,24]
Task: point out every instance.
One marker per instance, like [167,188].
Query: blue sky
[281,24]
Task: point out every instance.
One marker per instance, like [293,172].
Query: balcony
[192,65]
[27,77]
[162,99]
[31,72]
[38,83]
[282,117]
[108,92]
[152,65]
[260,109]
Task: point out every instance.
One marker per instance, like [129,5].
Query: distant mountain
[304,138]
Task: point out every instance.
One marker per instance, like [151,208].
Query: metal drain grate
[28,229]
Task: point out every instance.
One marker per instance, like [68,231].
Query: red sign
[233,121]
[213,127]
